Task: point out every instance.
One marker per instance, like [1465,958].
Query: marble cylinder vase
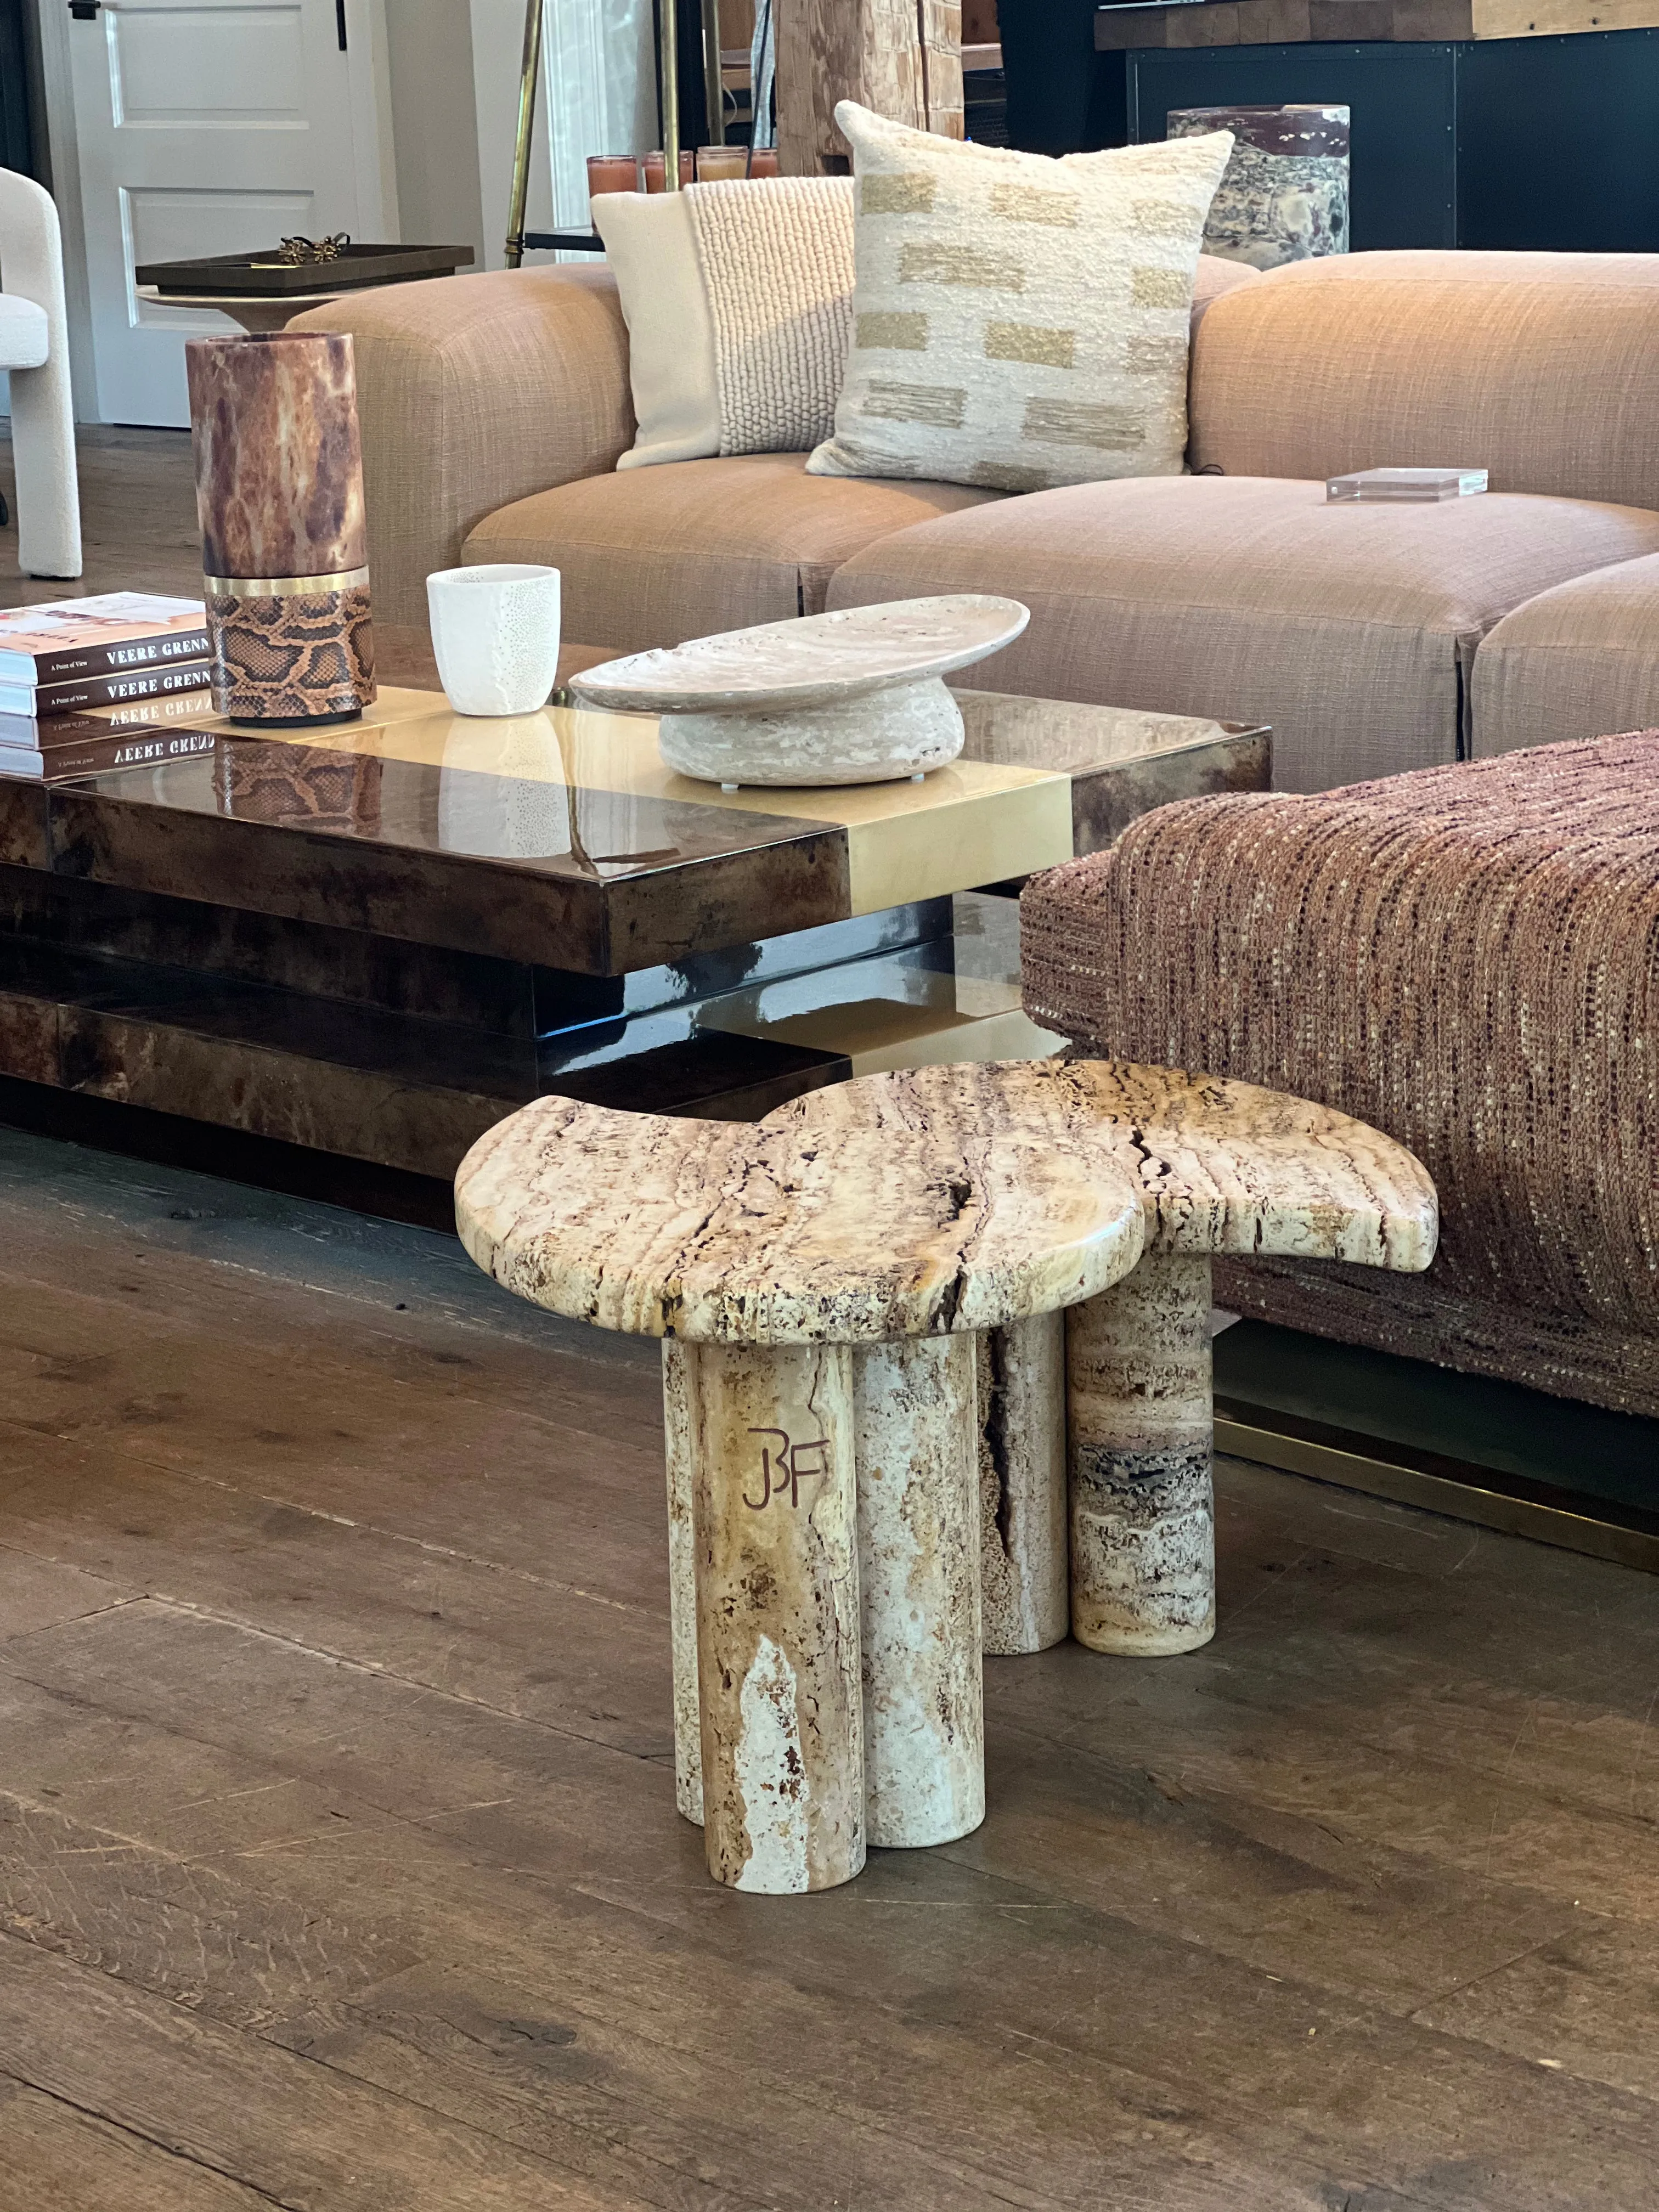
[780,1694]
[279,496]
[1140,1413]
[1284,196]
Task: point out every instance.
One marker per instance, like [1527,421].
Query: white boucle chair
[34,347]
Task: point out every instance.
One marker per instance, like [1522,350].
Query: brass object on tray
[301,252]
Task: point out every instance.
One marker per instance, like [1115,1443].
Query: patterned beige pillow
[1019,322]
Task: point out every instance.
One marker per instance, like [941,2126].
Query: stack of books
[132,653]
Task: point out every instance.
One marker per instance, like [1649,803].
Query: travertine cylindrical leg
[924,1713]
[1141,1427]
[779,1690]
[682,1580]
[1022,1484]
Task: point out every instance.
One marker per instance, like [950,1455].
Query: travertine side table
[1222,1167]
[824,1301]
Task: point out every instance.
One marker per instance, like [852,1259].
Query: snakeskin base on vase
[291,657]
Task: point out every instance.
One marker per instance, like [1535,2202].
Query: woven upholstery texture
[1574,661]
[475,391]
[1541,368]
[1351,627]
[1467,957]
[472,390]
[652,557]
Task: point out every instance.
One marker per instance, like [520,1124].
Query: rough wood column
[1022,1485]
[901,57]
[682,1580]
[1141,1437]
[940,27]
[918,1514]
[777,1570]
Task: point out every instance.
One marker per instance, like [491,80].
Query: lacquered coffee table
[374,941]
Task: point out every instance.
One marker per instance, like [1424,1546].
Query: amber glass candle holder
[611,172]
[654,170]
[718,164]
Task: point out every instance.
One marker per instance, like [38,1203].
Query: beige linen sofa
[1374,639]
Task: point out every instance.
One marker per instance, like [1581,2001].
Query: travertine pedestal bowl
[853,696]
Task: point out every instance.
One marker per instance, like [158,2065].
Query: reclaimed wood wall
[902,58]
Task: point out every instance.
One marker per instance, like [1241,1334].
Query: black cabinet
[1557,142]
[1503,144]
[1404,119]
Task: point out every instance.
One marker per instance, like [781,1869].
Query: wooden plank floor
[137,517]
[339,1868]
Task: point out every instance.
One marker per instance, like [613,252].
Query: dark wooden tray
[357,265]
[563,241]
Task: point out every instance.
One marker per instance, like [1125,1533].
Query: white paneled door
[211,126]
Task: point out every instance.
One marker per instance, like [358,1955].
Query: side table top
[1221,1166]
[738,1233]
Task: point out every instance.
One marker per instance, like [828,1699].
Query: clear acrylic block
[1406,483]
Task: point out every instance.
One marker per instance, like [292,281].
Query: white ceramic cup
[496,633]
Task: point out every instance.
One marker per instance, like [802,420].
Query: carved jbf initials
[784,1465]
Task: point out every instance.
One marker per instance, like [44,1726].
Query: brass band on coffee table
[824,1300]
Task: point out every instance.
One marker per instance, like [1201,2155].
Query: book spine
[114,690]
[71,662]
[136,749]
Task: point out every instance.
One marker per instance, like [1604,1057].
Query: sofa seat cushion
[652,557]
[1573,662]
[1352,629]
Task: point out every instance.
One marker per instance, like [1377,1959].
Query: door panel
[238,70]
[204,126]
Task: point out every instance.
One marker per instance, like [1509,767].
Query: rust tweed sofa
[1467,957]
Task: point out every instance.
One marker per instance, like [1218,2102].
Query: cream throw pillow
[1019,322]
[739,302]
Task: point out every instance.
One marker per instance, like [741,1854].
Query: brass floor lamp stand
[668,61]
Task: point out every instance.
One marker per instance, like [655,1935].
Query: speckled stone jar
[1284,196]
[279,496]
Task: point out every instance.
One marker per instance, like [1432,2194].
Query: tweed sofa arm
[1462,958]
[473,392]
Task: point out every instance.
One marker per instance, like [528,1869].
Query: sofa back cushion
[1541,368]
